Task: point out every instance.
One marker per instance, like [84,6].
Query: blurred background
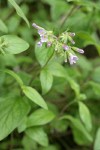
[83,18]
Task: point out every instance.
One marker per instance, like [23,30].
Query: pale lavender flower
[44,38]
[65,47]
[36,26]
[41,32]
[72,58]
[80,50]
[39,44]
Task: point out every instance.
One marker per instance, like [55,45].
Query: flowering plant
[60,44]
[46,103]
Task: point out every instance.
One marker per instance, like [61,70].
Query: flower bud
[65,47]
[71,40]
[71,34]
[78,50]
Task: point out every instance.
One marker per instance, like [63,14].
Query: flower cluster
[61,44]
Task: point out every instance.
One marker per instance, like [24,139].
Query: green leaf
[78,127]
[40,117]
[97,140]
[22,125]
[38,135]
[2,78]
[75,86]
[96,87]
[19,11]
[28,143]
[87,65]
[87,4]
[62,5]
[56,69]
[85,115]
[33,95]
[14,75]
[13,44]
[79,138]
[25,77]
[46,79]
[9,60]
[60,125]
[3,27]
[87,39]
[43,54]
[12,111]
[96,75]
[50,147]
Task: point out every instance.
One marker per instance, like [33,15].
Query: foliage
[45,103]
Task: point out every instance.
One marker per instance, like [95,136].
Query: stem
[65,17]
[67,106]
[48,60]
[11,141]
[38,71]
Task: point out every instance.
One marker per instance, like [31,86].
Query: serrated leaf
[19,11]
[33,95]
[38,135]
[85,115]
[46,79]
[40,117]
[12,111]
[14,44]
